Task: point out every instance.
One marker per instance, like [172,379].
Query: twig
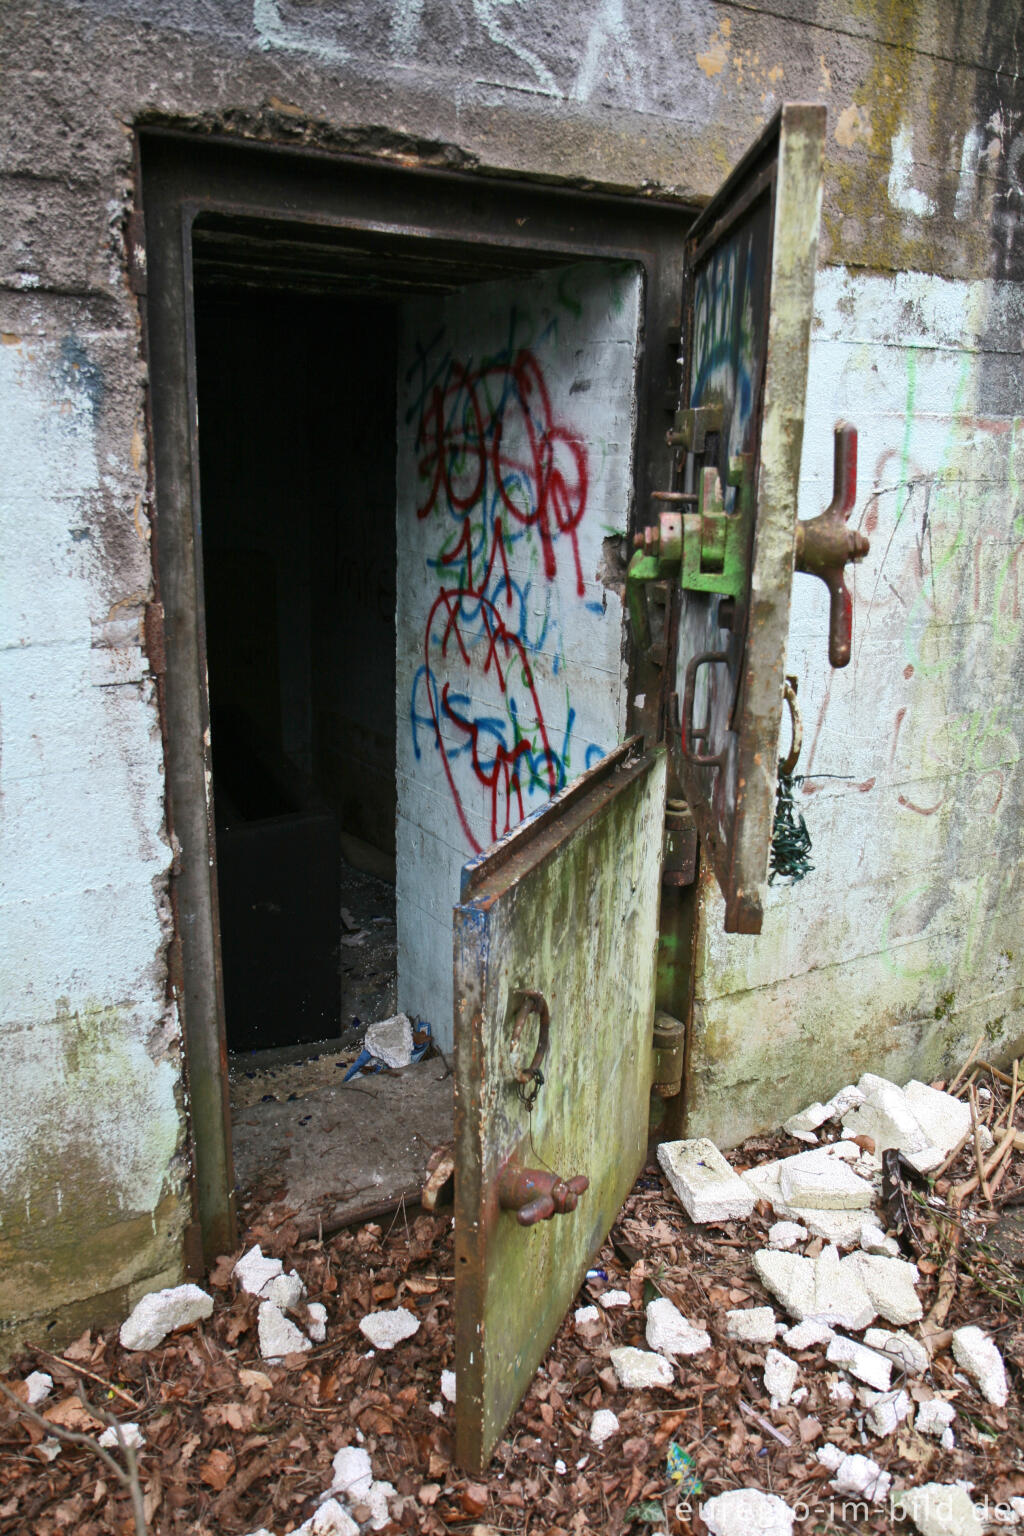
[125,1397]
[963,1070]
[1014,1094]
[951,1159]
[763,1423]
[1002,1077]
[973,1099]
[128,1479]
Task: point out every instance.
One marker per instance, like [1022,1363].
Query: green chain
[791,841]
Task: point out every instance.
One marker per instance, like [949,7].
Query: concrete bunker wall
[903,946]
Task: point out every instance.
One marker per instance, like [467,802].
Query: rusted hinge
[135,240]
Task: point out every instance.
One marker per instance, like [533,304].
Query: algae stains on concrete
[91,1183]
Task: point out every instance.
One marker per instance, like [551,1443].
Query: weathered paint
[571,913]
[515,431]
[92,1119]
[903,945]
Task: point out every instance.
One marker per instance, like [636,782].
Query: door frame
[181,176]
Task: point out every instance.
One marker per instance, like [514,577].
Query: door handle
[825,545]
[537,1194]
[691,734]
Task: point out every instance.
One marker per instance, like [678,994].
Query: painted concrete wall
[515,459]
[925,176]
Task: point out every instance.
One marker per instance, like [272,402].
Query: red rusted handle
[825,545]
[536,1194]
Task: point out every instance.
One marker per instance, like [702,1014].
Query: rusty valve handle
[825,545]
[536,1194]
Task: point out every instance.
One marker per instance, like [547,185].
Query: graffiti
[504,484]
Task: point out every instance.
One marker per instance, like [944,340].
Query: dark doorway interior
[296,397]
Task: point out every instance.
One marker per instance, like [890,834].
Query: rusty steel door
[751,261]
[555,941]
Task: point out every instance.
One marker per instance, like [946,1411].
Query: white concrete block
[841,1392]
[131,1435]
[785,1235]
[858,1476]
[377,1499]
[254,1273]
[822,1181]
[317,1324]
[943,1118]
[708,1189]
[639,1368]
[747,1512]
[353,1473]
[753,1325]
[842,1102]
[390,1040]
[890,1284]
[603,1425]
[669,1333]
[330,1520]
[823,1288]
[780,1373]
[388,1328]
[934,1417]
[874,1240]
[448,1385]
[584,1315]
[940,1509]
[866,1364]
[975,1353]
[808,1119]
[841,1228]
[278,1335]
[615,1299]
[886,1117]
[38,1386]
[285,1291]
[901,1347]
[161,1312]
[887,1410]
[807,1335]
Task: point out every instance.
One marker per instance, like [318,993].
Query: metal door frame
[180,176]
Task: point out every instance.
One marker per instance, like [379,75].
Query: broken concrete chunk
[975,1352]
[823,1288]
[841,1228]
[615,1299]
[603,1425]
[285,1291]
[353,1473]
[584,1315]
[887,1410]
[707,1187]
[808,1119]
[747,1512]
[161,1312]
[807,1335]
[780,1373]
[901,1347]
[934,1417]
[38,1387]
[939,1509]
[886,1117]
[890,1284]
[448,1385]
[377,1503]
[866,1364]
[874,1240]
[670,1333]
[821,1181]
[254,1272]
[317,1326]
[131,1435]
[785,1235]
[386,1329]
[278,1335]
[842,1102]
[390,1040]
[944,1119]
[638,1368]
[857,1475]
[754,1325]
[841,1392]
[330,1520]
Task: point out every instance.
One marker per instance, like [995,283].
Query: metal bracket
[693,424]
[716,543]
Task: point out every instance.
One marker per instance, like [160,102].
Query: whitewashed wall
[91,1117]
[515,444]
[903,945]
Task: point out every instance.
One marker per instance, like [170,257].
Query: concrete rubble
[780,1374]
[448,1385]
[976,1354]
[386,1329]
[903,1348]
[820,1181]
[855,1475]
[130,1435]
[38,1386]
[316,1326]
[669,1333]
[747,1512]
[161,1312]
[886,1411]
[807,1334]
[615,1299]
[847,1293]
[754,1325]
[390,1040]
[940,1509]
[707,1187]
[866,1364]
[640,1368]
[786,1235]
[278,1334]
[603,1425]
[585,1315]
[255,1273]
[934,1417]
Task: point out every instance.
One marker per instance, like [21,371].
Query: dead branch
[976,1124]
[108,1386]
[963,1070]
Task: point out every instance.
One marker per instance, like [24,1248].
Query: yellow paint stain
[137,519]
[9,339]
[717,56]
[726,27]
[826,77]
[853,123]
[775,74]
[288,107]
[136,446]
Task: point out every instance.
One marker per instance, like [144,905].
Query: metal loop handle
[530,1079]
[691,735]
[788,763]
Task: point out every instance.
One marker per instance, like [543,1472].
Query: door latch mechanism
[535,1194]
[825,545]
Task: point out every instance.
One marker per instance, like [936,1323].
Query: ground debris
[236,1444]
